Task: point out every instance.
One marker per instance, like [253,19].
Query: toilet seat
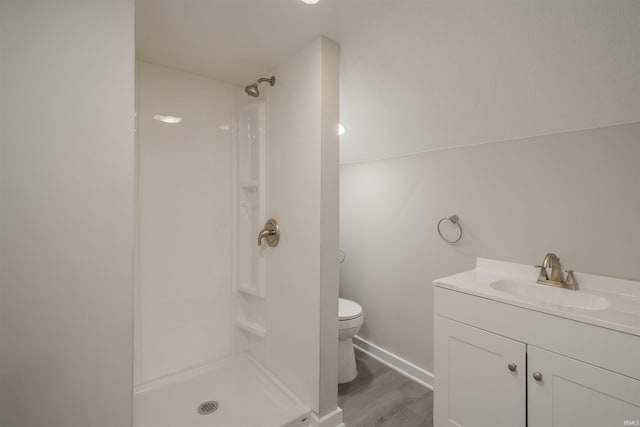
[348,309]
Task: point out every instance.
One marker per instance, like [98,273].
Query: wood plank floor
[381,397]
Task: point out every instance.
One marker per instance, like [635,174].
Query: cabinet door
[574,393]
[474,385]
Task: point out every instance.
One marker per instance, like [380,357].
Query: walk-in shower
[252,89]
[202,323]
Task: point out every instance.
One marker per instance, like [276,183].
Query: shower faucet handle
[271,233]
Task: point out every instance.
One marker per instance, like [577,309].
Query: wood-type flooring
[381,397]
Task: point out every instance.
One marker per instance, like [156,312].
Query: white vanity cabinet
[574,393]
[480,377]
[488,352]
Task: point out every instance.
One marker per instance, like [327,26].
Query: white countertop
[623,314]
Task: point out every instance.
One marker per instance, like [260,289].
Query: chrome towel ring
[454,219]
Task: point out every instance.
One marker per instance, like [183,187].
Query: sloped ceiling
[438,74]
[419,75]
[237,41]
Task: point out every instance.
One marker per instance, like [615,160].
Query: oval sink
[547,295]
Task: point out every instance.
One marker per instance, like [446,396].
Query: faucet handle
[570,282]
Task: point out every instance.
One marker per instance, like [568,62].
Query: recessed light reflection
[223,127]
[341,129]
[310,1]
[172,120]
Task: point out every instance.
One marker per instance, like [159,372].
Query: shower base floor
[247,396]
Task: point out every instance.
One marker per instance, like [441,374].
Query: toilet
[350,318]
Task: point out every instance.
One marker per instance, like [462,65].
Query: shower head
[252,89]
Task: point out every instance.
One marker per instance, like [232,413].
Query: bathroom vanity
[510,352]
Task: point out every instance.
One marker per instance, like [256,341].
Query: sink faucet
[552,261]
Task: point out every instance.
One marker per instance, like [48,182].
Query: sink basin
[547,295]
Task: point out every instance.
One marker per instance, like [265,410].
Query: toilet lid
[348,309]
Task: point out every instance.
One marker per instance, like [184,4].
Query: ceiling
[419,75]
[237,41]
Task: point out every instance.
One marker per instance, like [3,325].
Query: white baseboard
[396,363]
[333,419]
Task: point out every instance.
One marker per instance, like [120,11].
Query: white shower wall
[302,280]
[183,295]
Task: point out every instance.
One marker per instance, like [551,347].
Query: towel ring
[454,219]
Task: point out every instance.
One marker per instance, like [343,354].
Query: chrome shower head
[252,89]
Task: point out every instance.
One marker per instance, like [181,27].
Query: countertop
[623,313]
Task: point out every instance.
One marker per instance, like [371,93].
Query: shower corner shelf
[250,290]
[251,185]
[252,327]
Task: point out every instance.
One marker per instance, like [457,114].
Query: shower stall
[229,332]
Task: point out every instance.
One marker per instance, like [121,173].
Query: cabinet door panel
[574,393]
[473,384]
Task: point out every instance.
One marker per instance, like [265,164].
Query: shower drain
[208,407]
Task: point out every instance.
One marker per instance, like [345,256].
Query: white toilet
[350,318]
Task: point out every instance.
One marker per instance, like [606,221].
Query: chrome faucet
[552,261]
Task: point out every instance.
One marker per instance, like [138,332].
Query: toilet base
[347,370]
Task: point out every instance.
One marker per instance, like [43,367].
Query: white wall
[329,224]
[452,73]
[66,213]
[575,194]
[302,286]
[444,73]
[183,308]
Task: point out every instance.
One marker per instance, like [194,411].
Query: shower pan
[245,396]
